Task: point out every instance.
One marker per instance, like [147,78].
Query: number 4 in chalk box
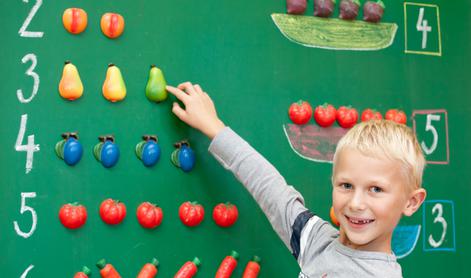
[422,29]
[439,225]
[431,128]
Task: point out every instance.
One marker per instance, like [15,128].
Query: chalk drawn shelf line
[334,33]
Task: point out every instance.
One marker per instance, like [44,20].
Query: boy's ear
[416,198]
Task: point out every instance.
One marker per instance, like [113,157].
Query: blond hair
[383,138]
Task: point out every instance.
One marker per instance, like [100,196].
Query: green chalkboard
[253,70]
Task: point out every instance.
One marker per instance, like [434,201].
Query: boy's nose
[357,202]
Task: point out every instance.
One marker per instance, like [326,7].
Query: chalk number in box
[439,225]
[422,29]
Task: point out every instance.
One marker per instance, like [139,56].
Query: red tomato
[347,116]
[73,216]
[191,213]
[325,115]
[225,215]
[149,215]
[370,114]
[300,112]
[396,115]
[112,212]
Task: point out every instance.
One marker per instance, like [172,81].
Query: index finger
[181,95]
[188,87]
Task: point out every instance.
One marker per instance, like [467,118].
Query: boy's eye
[376,189]
[346,186]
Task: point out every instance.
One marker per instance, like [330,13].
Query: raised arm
[282,204]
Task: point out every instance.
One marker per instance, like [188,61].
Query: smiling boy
[377,177]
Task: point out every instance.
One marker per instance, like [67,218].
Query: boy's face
[369,198]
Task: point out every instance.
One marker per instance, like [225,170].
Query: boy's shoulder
[322,255]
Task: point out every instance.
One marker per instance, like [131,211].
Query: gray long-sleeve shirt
[313,241]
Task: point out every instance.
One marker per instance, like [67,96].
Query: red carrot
[252,269]
[189,269]
[227,265]
[107,270]
[149,270]
[84,273]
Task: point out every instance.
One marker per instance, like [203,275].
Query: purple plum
[349,9]
[296,6]
[324,8]
[373,11]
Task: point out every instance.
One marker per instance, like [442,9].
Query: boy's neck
[381,244]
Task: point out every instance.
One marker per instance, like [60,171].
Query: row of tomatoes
[346,116]
[113,212]
[188,270]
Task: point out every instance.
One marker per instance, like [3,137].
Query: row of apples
[107,151]
[114,89]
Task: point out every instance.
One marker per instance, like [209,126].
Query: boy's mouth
[359,221]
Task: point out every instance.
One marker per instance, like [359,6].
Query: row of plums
[107,152]
[114,89]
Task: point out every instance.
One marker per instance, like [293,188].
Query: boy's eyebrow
[340,178]
[375,181]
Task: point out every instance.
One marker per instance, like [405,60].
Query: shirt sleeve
[281,203]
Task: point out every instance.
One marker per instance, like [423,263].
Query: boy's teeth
[360,221]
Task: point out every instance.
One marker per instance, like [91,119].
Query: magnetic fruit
[112,212]
[225,214]
[69,149]
[396,115]
[74,20]
[183,157]
[227,265]
[156,85]
[325,115]
[85,273]
[373,11]
[70,86]
[300,112]
[253,268]
[112,25]
[370,114]
[148,150]
[296,6]
[149,270]
[73,216]
[189,269]
[149,215]
[107,270]
[349,9]
[191,213]
[333,218]
[107,152]
[114,88]
[347,116]
[324,8]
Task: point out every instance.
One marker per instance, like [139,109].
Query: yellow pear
[113,87]
[70,86]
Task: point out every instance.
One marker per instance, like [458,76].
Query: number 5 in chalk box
[439,225]
[422,29]
[431,128]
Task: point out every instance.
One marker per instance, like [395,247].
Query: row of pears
[114,89]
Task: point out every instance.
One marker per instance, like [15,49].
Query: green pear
[155,89]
